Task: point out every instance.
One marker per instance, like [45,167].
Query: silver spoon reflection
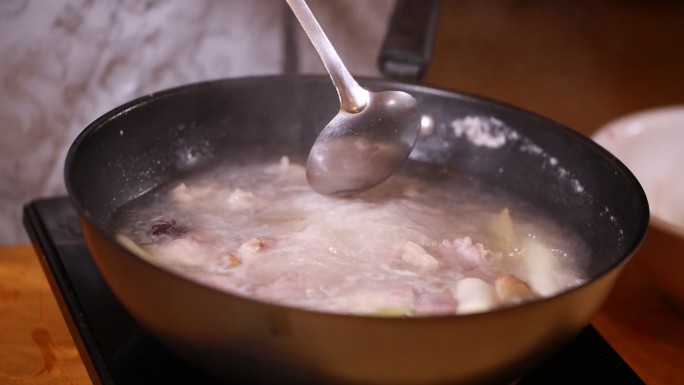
[369,138]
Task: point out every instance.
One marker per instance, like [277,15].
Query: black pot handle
[407,49]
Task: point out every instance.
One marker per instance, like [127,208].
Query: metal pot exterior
[239,338]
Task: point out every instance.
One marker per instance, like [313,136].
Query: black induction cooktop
[118,351]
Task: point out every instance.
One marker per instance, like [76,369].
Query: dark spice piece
[169,229]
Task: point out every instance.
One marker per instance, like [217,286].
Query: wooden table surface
[35,344]
[580,63]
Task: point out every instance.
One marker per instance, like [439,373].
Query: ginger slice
[125,241]
[540,268]
[254,245]
[503,233]
[415,256]
[473,295]
[233,260]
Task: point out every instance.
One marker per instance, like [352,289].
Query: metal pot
[157,138]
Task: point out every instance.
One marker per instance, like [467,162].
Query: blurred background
[65,62]
[581,63]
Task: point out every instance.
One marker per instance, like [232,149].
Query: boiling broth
[406,248]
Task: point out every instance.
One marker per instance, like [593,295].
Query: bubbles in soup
[406,248]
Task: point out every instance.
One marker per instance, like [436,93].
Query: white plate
[651,144]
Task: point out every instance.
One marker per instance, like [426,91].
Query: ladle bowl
[357,151]
[369,138]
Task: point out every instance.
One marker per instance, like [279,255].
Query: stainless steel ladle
[369,138]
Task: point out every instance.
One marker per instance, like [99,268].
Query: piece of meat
[254,245]
[417,259]
[241,200]
[473,259]
[463,253]
[207,196]
[511,291]
[232,261]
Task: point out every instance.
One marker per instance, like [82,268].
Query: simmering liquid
[405,248]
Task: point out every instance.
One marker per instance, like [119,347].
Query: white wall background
[65,62]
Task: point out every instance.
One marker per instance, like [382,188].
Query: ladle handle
[353,97]
[407,49]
